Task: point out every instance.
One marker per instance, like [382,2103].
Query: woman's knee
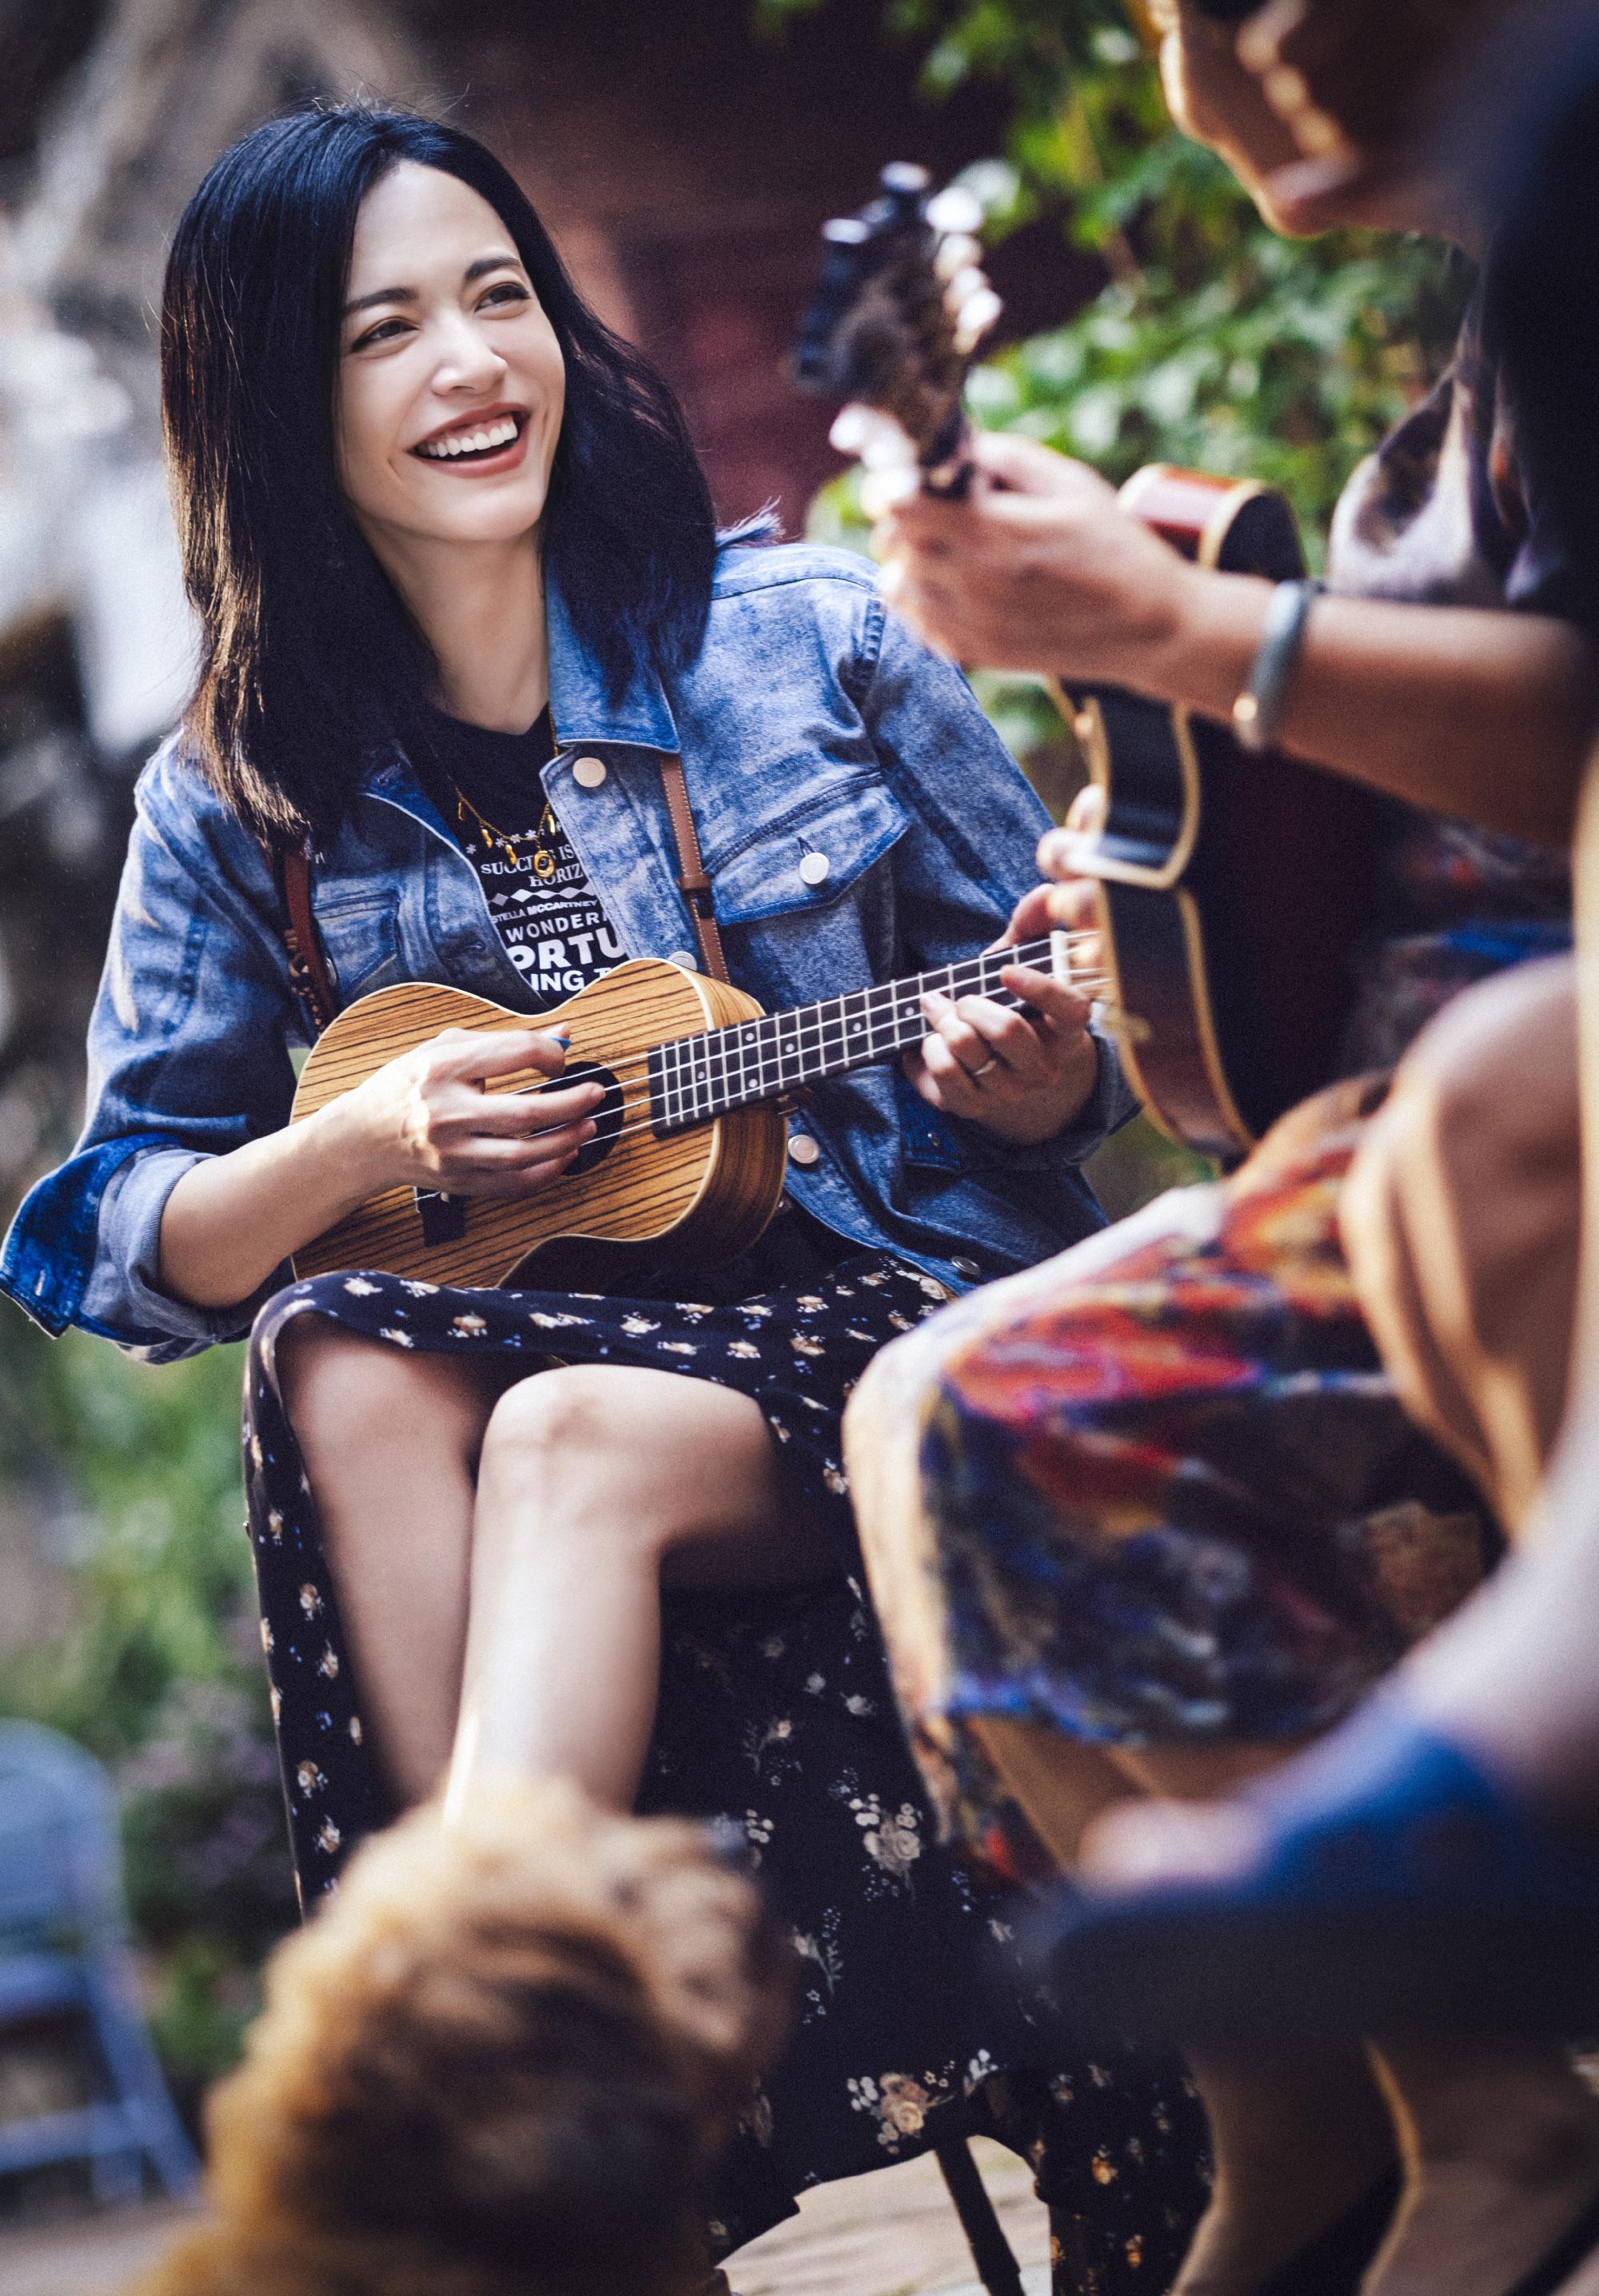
[343,1391]
[642,1458]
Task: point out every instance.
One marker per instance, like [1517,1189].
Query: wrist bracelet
[1259,709]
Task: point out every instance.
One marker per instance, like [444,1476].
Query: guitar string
[688,1089]
[689,1122]
[889,1006]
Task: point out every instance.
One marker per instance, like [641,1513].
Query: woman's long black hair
[310,667]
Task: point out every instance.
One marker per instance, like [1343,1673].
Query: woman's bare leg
[390,1442]
[593,1480]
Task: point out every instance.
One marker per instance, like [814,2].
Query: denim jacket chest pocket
[358,923]
[808,857]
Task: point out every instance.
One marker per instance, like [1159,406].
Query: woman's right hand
[424,1120]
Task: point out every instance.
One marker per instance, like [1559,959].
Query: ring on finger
[991,1062]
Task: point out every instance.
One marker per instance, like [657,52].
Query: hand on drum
[1024,1076]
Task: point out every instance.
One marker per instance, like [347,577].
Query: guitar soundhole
[608,1116]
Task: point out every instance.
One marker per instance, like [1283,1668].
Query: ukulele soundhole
[608,1116]
[444,1217]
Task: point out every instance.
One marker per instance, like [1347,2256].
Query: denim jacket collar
[581,707]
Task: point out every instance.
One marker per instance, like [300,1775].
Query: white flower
[310,1601]
[549,1323]
[266,1642]
[398,1338]
[680,1346]
[746,1348]
[358,1285]
[328,1837]
[804,1347]
[309,1778]
[836,1481]
[637,1326]
[328,1663]
[274,1526]
[418,1290]
[858,1704]
[815,1684]
[468,1325]
[355,1731]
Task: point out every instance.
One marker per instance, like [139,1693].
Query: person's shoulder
[746,570]
[176,798]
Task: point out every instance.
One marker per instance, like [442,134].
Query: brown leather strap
[692,879]
[308,970]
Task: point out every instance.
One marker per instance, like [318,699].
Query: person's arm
[421,1120]
[187,1189]
[1055,1087]
[1471,711]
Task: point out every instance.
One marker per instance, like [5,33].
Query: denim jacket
[810,723]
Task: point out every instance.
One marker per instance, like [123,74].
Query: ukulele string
[629,1070]
[647,1123]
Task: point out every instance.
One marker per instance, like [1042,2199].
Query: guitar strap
[692,880]
[309,972]
[312,980]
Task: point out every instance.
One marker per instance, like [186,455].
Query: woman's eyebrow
[484,263]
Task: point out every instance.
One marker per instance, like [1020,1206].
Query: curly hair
[500,2064]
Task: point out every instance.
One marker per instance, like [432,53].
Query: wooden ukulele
[1231,886]
[690,1147]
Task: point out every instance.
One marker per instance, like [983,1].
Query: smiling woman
[461,600]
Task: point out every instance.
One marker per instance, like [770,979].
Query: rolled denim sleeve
[971,853]
[188,1058]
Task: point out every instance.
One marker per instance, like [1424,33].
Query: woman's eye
[384,331]
[507,291]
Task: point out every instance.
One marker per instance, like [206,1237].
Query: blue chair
[64,1954]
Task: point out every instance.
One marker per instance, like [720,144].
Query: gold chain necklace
[544,860]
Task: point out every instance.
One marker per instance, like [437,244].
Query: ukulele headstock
[900,307]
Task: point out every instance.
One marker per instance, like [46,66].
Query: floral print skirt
[774,1717]
[1162,1489]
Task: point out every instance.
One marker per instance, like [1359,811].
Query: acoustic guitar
[690,1147]
[1231,886]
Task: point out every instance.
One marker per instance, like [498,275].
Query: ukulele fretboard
[693,1079]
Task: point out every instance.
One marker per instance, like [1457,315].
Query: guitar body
[1232,885]
[636,1197]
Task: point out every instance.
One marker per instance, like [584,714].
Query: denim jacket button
[803,1148]
[813,868]
[683,956]
[589,773]
[963,1266]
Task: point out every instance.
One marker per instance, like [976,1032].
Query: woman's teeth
[489,440]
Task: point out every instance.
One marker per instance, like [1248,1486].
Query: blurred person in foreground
[1174,1517]
[503,2062]
[1463,1216]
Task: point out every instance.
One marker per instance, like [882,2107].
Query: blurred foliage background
[1205,341]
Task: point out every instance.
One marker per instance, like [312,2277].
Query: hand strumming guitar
[1037,567]
[424,1120]
[1023,1076]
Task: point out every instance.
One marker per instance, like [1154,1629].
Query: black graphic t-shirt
[552,920]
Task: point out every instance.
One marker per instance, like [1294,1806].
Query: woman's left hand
[1023,1075]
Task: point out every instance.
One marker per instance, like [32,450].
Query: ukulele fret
[696,1079]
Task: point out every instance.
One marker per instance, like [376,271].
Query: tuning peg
[956,253]
[906,184]
[846,231]
[954,209]
[977,315]
[968,282]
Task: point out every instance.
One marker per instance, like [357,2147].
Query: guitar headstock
[900,307]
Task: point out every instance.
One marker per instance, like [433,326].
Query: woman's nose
[467,359]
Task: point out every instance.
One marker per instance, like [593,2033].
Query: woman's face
[451,382]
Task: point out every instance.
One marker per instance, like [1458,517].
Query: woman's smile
[449,366]
[494,440]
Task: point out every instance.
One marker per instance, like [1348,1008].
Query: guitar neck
[693,1079]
